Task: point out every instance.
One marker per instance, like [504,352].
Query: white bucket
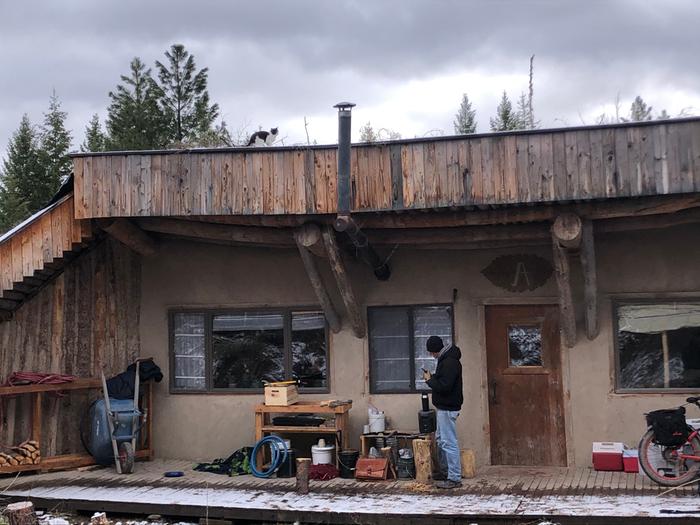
[322,455]
[377,423]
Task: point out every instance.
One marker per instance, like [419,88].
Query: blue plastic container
[100,443]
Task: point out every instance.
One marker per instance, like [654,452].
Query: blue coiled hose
[278,454]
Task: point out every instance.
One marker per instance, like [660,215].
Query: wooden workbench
[264,426]
[66,461]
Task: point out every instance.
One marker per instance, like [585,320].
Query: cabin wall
[205,426]
[85,318]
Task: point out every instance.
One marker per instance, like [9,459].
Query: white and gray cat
[263,138]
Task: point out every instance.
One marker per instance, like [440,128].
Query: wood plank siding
[85,318]
[575,164]
[40,241]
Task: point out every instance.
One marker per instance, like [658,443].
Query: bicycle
[669,451]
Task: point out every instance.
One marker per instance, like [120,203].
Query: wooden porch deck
[497,494]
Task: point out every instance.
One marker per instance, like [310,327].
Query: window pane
[188,350]
[309,362]
[247,349]
[389,343]
[427,321]
[525,345]
[659,345]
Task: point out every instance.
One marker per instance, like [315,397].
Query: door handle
[492,392]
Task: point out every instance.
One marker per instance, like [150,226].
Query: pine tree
[23,190]
[506,119]
[53,153]
[465,119]
[639,111]
[183,96]
[217,137]
[134,119]
[94,136]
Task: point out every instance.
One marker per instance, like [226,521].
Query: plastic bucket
[348,461]
[288,468]
[376,422]
[322,455]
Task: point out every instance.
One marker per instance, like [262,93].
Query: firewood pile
[26,453]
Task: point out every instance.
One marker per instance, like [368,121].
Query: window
[236,350]
[658,346]
[525,345]
[397,338]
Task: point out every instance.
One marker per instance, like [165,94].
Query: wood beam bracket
[357,319]
[132,236]
[317,284]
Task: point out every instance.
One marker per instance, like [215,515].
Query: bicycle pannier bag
[669,426]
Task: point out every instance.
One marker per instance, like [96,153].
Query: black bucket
[406,468]
[288,468]
[348,460]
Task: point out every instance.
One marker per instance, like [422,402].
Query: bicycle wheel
[663,465]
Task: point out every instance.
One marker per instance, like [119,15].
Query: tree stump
[424,463]
[21,513]
[468,463]
[303,465]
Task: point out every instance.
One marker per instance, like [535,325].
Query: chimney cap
[344,106]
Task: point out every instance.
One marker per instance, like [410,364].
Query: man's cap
[434,344]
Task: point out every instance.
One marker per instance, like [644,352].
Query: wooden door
[526,407]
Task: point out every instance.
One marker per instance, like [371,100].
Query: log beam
[324,299]
[132,236]
[309,236]
[590,280]
[562,271]
[357,320]
[220,232]
[567,230]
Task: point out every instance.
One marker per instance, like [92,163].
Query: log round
[21,513]
[567,230]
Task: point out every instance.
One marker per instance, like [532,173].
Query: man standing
[446,384]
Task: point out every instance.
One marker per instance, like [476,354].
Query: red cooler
[630,459]
[608,456]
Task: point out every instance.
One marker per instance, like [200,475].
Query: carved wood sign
[518,273]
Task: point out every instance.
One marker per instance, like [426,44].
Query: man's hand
[426,375]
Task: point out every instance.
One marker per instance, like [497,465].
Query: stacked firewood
[26,453]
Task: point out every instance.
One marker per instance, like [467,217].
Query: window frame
[616,304]
[209,314]
[411,337]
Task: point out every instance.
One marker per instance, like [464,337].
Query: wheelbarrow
[124,426]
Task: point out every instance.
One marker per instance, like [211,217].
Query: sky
[405,63]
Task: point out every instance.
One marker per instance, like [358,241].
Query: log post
[423,460]
[357,320]
[319,288]
[132,236]
[566,302]
[303,465]
[590,280]
[21,513]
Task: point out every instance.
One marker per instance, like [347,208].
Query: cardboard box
[608,456]
[630,460]
[281,396]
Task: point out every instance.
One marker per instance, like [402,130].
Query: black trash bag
[236,464]
[669,426]
[122,386]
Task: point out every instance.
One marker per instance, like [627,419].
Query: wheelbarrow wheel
[126,457]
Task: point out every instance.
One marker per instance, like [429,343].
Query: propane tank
[427,419]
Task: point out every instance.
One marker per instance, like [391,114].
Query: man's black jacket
[446,382]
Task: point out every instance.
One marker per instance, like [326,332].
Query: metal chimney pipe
[344,221]
[344,130]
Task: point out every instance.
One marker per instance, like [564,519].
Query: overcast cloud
[405,63]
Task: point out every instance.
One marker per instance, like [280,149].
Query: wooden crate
[281,396]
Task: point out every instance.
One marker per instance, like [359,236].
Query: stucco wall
[212,425]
